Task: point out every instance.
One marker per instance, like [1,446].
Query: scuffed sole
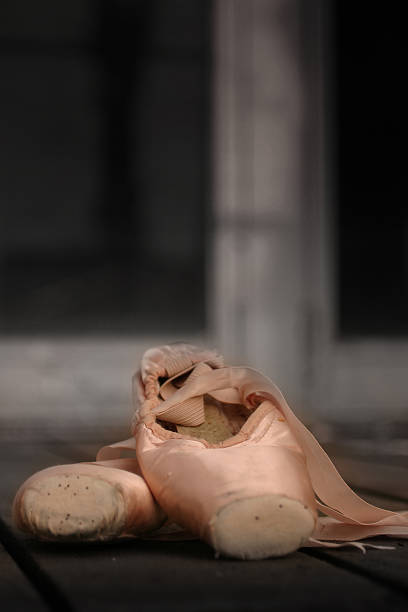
[261,527]
[84,502]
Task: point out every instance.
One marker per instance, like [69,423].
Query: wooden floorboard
[16,592]
[149,576]
[185,576]
[385,567]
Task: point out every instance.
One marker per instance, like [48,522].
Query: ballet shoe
[225,469]
[87,502]
[227,460]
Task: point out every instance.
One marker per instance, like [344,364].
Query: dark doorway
[370,136]
[105,112]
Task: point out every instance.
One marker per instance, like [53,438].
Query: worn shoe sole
[261,527]
[85,502]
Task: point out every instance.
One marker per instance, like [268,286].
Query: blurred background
[226,172]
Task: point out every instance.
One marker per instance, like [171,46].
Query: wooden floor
[139,575]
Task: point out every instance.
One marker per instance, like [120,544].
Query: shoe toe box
[57,504]
[261,527]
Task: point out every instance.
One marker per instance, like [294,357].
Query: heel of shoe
[261,527]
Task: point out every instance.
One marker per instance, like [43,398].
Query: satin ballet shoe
[228,461]
[87,502]
[232,475]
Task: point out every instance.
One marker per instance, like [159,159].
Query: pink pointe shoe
[226,459]
[87,501]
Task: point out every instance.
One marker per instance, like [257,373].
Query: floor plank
[382,566]
[186,576]
[386,567]
[16,592]
[150,576]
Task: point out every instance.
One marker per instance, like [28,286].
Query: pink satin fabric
[192,482]
[273,453]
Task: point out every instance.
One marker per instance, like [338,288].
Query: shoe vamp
[191,482]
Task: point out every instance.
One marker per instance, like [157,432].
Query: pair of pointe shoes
[218,453]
